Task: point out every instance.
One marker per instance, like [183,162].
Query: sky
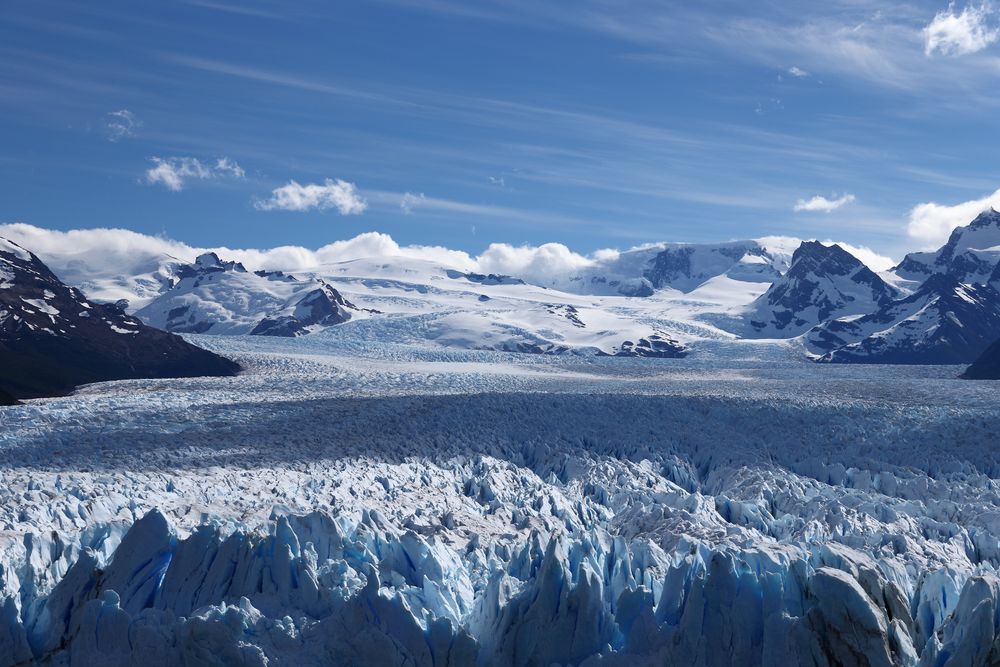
[593,124]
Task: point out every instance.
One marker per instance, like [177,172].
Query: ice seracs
[405,503]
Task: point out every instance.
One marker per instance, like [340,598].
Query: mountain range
[660,300]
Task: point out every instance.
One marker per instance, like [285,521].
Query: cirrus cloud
[121,124]
[294,196]
[822,204]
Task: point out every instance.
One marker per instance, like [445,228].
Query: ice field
[355,498]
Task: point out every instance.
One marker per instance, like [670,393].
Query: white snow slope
[345,502]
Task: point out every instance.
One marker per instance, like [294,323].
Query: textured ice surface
[351,503]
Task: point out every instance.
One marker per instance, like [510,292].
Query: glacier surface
[351,502]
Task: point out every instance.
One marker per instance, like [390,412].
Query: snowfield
[356,497]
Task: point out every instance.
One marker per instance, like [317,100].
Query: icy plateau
[345,502]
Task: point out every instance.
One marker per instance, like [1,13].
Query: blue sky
[591,123]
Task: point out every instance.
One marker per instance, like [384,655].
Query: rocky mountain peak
[823,282]
[988,218]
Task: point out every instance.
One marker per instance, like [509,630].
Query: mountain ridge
[52,338]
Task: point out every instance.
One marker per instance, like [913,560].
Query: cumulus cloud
[173,172]
[798,72]
[822,204]
[538,264]
[952,34]
[931,223]
[121,124]
[294,196]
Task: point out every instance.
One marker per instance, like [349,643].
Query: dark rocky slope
[52,338]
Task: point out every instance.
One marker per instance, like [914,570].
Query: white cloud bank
[951,34]
[537,264]
[294,196]
[822,204]
[97,253]
[173,172]
[932,223]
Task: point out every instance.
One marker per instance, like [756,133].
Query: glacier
[343,502]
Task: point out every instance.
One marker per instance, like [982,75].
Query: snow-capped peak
[14,249]
[823,282]
[207,259]
[971,253]
[222,296]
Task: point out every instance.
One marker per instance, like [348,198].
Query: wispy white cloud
[225,165]
[957,34]
[174,172]
[411,201]
[279,78]
[870,42]
[236,9]
[798,72]
[931,223]
[294,196]
[821,204]
[121,124]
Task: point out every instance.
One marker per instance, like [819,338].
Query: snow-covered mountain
[679,266]
[655,300]
[52,338]
[108,265]
[943,322]
[951,315]
[420,302]
[216,296]
[971,254]
[823,282]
